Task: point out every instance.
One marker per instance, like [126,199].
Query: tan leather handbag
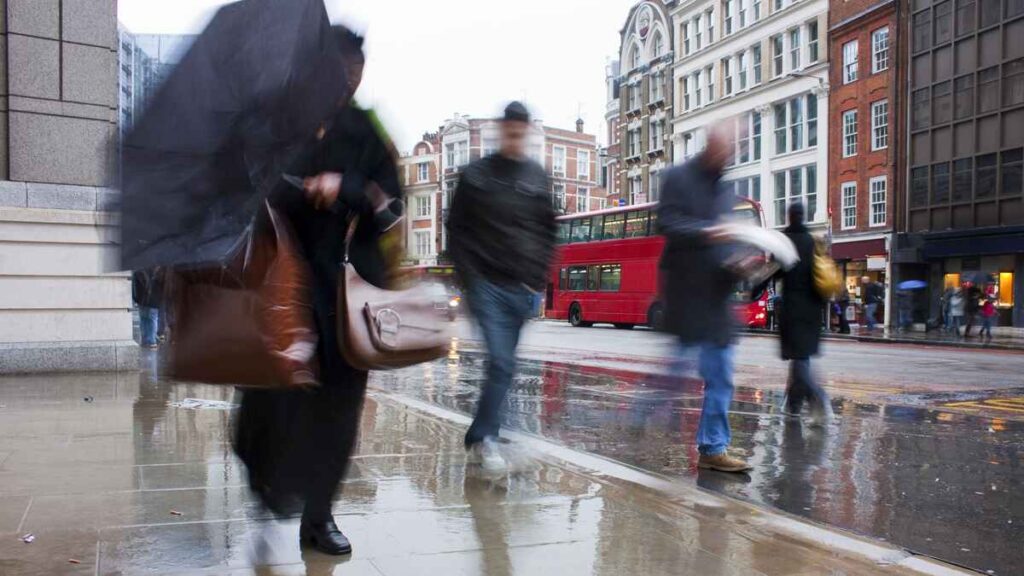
[382,329]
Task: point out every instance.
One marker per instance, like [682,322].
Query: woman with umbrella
[297,443]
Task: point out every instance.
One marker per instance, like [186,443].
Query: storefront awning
[859,250]
[982,243]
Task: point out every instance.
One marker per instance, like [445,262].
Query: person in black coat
[296,444]
[800,322]
[697,286]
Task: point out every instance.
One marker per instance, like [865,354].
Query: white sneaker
[487,455]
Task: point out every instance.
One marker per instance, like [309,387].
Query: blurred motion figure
[502,235]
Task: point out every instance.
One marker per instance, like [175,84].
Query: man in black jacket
[501,234]
[698,286]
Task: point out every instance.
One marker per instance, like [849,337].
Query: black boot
[325,537]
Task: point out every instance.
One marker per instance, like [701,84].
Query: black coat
[696,287]
[800,309]
[502,224]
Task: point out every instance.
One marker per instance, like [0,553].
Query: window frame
[848,210]
[851,51]
[875,203]
[880,50]
[849,133]
[583,164]
[880,130]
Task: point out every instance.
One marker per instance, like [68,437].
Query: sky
[428,59]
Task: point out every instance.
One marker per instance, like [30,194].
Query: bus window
[595,227]
[592,277]
[563,276]
[581,230]
[614,224]
[577,278]
[563,231]
[611,277]
[636,224]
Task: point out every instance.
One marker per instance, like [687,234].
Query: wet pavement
[120,474]
[906,469]
[1008,340]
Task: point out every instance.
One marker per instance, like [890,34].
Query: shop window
[940,183]
[1006,289]
[951,280]
[1010,176]
[985,177]
[611,277]
[963,177]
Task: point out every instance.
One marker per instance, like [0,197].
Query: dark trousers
[501,311]
[802,387]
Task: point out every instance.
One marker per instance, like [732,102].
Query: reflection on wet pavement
[935,482]
[127,483]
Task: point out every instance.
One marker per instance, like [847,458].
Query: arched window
[657,45]
[634,57]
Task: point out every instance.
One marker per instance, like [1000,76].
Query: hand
[322,190]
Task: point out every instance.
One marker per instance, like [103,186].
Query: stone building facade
[61,306]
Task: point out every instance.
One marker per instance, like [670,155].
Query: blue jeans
[986,326]
[149,325]
[715,364]
[869,315]
[501,311]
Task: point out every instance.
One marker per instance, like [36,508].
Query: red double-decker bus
[606,269]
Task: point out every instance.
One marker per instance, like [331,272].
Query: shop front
[858,259]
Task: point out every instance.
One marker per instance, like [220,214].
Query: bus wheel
[624,326]
[576,316]
[656,317]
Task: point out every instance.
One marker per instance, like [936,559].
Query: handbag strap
[350,232]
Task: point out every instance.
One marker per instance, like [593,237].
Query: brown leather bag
[387,329]
[247,320]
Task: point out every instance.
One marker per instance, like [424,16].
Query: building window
[922,31]
[988,89]
[422,172]
[940,184]
[709,75]
[583,164]
[850,62]
[965,16]
[748,138]
[1013,82]
[686,80]
[780,129]
[709,24]
[920,109]
[726,76]
[655,185]
[657,131]
[796,185]
[757,10]
[449,155]
[849,194]
[634,57]
[688,148]
[558,197]
[558,160]
[490,146]
[423,247]
[741,63]
[879,200]
[634,142]
[695,82]
[633,91]
[777,5]
[746,187]
[685,33]
[657,46]
[727,8]
[582,200]
[880,125]
[777,58]
[793,119]
[989,12]
[423,207]
[919,187]
[985,177]
[657,82]
[697,33]
[880,50]
[794,49]
[849,133]
[812,41]
[462,153]
[943,22]
[755,52]
[812,120]
[636,190]
[963,178]
[1010,175]
[743,13]
[963,96]
[942,103]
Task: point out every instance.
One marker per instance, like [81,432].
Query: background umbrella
[912,285]
[211,145]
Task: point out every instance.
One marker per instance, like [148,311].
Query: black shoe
[325,537]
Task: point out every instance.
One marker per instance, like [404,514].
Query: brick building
[866,146]
[430,173]
[963,219]
[645,100]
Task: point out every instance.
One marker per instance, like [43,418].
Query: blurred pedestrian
[698,286]
[972,305]
[988,318]
[905,309]
[874,295]
[800,313]
[296,444]
[944,302]
[502,234]
[843,300]
[956,310]
[148,294]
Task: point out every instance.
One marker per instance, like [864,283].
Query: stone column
[61,307]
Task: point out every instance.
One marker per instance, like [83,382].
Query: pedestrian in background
[698,286]
[148,294]
[843,300]
[800,313]
[874,294]
[972,306]
[988,318]
[956,310]
[502,235]
[947,317]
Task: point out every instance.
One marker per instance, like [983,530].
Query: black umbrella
[213,142]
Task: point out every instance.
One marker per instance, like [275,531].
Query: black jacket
[874,293]
[502,226]
[800,309]
[148,287]
[696,287]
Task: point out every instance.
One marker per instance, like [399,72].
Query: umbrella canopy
[251,90]
[912,285]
